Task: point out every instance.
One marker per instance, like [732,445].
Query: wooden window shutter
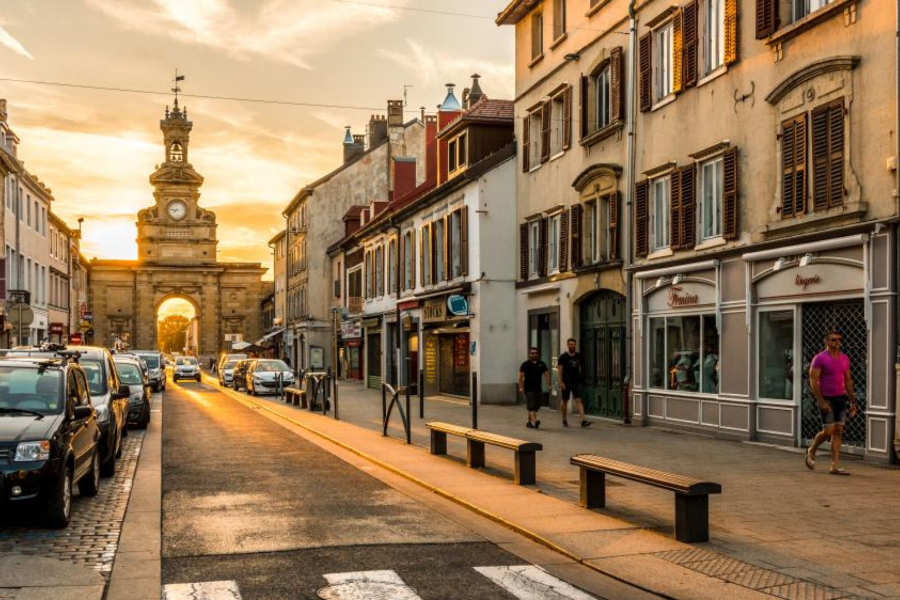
[678,52]
[674,210]
[583,104]
[690,43]
[767,20]
[401,248]
[615,200]
[432,241]
[563,242]
[567,118]
[523,251]
[645,64]
[464,239]
[526,154]
[732,44]
[412,258]
[793,166]
[575,243]
[542,249]
[616,89]
[688,206]
[546,115]
[447,275]
[424,231]
[828,155]
[641,217]
[730,188]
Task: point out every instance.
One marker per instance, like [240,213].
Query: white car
[263,377]
[186,367]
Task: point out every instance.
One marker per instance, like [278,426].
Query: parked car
[239,377]
[49,438]
[109,396]
[225,358]
[157,366]
[262,376]
[139,401]
[186,367]
[226,372]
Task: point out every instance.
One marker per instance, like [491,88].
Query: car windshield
[94,372]
[152,360]
[186,361]
[30,388]
[130,373]
[230,364]
[274,366]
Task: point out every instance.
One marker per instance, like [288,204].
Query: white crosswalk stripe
[207,590]
[367,585]
[528,582]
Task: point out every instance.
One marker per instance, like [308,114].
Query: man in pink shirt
[832,386]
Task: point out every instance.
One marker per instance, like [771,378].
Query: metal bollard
[408,419]
[474,395]
[383,410]
[421,394]
[336,417]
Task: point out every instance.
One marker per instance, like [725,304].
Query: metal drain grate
[804,590]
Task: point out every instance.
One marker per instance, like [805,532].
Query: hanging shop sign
[458,306]
[351,329]
[75,339]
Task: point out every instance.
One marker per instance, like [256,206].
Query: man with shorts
[832,386]
[568,368]
[530,374]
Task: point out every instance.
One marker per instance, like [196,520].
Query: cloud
[13,44]
[281,30]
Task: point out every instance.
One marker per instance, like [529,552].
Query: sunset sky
[96,149]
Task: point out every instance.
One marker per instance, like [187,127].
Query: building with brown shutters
[571,67]
[765,214]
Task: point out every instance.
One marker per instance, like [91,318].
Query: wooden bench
[295,396]
[691,495]
[525,459]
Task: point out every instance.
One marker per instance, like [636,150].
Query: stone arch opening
[177,319]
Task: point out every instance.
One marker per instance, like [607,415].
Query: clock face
[177,209]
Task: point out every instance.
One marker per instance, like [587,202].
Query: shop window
[776,354]
[684,353]
[711,189]
[660,215]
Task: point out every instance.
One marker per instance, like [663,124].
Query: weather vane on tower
[177,88]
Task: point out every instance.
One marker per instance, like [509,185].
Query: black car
[141,397]
[109,396]
[239,375]
[156,363]
[49,438]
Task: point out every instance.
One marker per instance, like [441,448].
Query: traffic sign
[83,310]
[20,315]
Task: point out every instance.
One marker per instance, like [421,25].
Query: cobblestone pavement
[93,532]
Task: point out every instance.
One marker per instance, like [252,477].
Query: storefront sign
[686,295]
[458,305]
[431,359]
[678,297]
[83,310]
[409,305]
[409,324]
[461,351]
[351,329]
[435,310]
[369,323]
[804,282]
[800,282]
[56,328]
[75,339]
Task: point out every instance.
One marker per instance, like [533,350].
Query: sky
[96,148]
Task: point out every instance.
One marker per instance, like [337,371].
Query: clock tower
[176,230]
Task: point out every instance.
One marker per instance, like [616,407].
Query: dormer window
[457,155]
[176,152]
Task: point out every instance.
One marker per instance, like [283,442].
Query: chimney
[475,93]
[377,130]
[354,145]
[431,162]
[395,113]
[3,113]
[404,175]
[351,221]
[465,98]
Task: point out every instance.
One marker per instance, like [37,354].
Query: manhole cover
[368,590]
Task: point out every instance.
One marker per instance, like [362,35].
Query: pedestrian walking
[530,374]
[832,386]
[568,369]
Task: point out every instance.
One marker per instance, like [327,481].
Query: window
[534,248]
[711,199]
[553,264]
[463,150]
[664,61]
[177,152]
[452,158]
[354,283]
[427,262]
[379,270]
[28,211]
[684,353]
[590,237]
[392,267]
[660,217]
[776,354]
[535,137]
[559,18]
[369,275]
[43,221]
[603,98]
[456,269]
[801,8]
[408,250]
[537,35]
[557,124]
[456,154]
[714,35]
[439,274]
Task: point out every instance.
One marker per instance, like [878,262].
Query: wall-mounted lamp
[779,264]
[678,279]
[807,258]
[572,57]
[661,282]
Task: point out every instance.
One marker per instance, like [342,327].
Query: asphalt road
[267,514]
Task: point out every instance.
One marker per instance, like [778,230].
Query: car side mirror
[82,412]
[124,392]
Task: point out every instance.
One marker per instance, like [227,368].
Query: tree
[173,333]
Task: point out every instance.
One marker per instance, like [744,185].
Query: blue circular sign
[458,306]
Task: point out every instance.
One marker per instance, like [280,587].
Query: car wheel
[61,510]
[90,483]
[108,469]
[198,379]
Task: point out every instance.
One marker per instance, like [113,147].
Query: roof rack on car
[70,355]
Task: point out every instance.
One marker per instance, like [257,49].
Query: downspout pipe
[629,192]
[897,232]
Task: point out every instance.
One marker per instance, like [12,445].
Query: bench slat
[504,441]
[671,481]
[448,428]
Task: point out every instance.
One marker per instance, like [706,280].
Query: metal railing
[388,409]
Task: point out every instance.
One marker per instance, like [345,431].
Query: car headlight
[102,413]
[31,451]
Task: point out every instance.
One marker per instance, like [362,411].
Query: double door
[602,346]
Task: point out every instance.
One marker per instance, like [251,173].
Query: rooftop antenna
[177,89]
[405,88]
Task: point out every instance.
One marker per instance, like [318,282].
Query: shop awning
[269,336]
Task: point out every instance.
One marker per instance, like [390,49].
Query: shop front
[352,349]
[374,354]
[447,351]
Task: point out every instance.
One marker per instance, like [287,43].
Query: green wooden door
[602,346]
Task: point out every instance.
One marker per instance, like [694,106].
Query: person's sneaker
[565,423]
[529,425]
[585,423]
[537,424]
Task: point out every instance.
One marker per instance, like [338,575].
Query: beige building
[176,259]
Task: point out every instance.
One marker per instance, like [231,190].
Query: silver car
[263,376]
[186,367]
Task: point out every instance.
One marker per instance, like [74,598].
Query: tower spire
[177,89]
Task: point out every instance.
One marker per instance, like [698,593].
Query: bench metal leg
[475,454]
[304,401]
[691,518]
[438,442]
[593,488]
[526,467]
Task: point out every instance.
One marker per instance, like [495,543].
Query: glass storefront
[684,353]
[776,354]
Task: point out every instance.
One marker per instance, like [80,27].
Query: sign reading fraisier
[677,299]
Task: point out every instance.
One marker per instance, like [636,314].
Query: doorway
[602,347]
[178,327]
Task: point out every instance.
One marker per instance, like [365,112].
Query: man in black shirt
[530,374]
[568,368]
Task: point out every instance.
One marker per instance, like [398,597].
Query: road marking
[532,583]
[367,585]
[207,590]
